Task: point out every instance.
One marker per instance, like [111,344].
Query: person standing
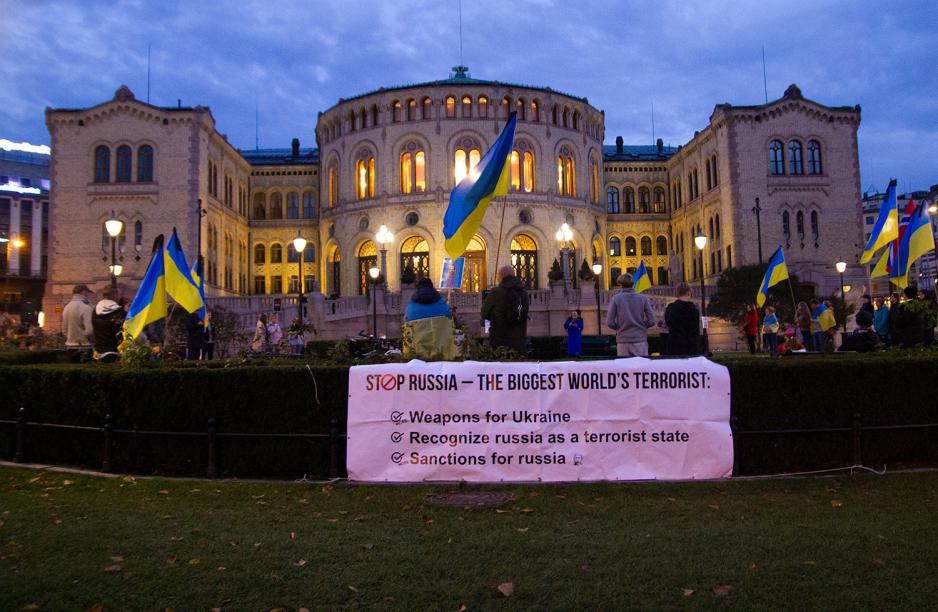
[803,321]
[867,304]
[506,307]
[107,322]
[274,334]
[208,338]
[770,330]
[574,327]
[261,341]
[910,320]
[750,327]
[630,315]
[195,333]
[881,320]
[818,337]
[683,320]
[894,309]
[76,321]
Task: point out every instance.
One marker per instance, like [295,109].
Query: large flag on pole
[149,304]
[882,267]
[641,280]
[898,275]
[776,273]
[887,225]
[917,240]
[179,282]
[197,277]
[470,198]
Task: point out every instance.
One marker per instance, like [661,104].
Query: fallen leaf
[836,503]
[195,531]
[405,508]
[129,480]
[32,606]
[506,588]
[527,510]
[368,546]
[113,569]
[293,536]
[332,520]
[359,518]
[300,563]
[261,496]
[808,563]
[66,483]
[352,588]
[449,541]
[256,545]
[194,561]
[98,607]
[304,501]
[722,590]
[171,560]
[57,521]
[31,481]
[462,608]
[117,559]
[523,529]
[500,511]
[713,506]
[221,568]
[689,592]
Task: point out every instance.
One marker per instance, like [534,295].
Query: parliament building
[391,157]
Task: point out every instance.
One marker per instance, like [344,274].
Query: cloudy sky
[292,59]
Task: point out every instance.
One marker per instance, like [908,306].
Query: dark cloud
[291,60]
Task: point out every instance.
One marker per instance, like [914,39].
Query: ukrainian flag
[641,280]
[882,267]
[197,277]
[887,225]
[179,282]
[776,273]
[470,198]
[149,304]
[917,239]
[825,317]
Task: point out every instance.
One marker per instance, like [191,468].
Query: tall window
[612,201]
[450,107]
[483,106]
[660,206]
[374,115]
[427,105]
[709,176]
[786,227]
[630,246]
[815,227]
[646,246]
[715,172]
[465,159]
[365,177]
[520,108]
[799,223]
[145,164]
[814,158]
[615,247]
[292,255]
[524,260]
[124,158]
[594,180]
[776,158]
[466,107]
[260,285]
[794,157]
[534,114]
[396,111]
[102,164]
[644,200]
[566,173]
[505,107]
[411,110]
[522,168]
[415,256]
[309,205]
[661,245]
[276,206]
[276,253]
[333,184]
[413,169]
[367,258]
[260,207]
[628,195]
[259,254]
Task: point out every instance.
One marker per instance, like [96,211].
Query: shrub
[555,273]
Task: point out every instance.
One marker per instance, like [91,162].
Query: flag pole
[501,226]
[794,305]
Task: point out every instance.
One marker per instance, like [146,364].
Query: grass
[71,541]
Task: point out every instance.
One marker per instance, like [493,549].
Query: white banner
[627,419]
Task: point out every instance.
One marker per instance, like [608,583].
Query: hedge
[801,393]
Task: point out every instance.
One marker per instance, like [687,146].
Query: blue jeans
[771,342]
[820,341]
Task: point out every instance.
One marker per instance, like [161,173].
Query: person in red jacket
[750,326]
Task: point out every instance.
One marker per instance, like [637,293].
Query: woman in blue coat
[574,327]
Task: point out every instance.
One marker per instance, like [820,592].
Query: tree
[586,272]
[738,286]
[555,273]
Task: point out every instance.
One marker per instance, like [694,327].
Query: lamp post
[841,268]
[700,241]
[374,272]
[114,227]
[758,209]
[597,272]
[932,210]
[564,235]
[384,237]
[299,244]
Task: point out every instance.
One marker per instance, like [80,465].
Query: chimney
[660,146]
[618,145]
[295,146]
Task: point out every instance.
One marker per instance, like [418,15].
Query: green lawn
[69,542]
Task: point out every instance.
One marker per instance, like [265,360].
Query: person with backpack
[506,307]
[630,315]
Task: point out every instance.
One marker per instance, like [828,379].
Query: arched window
[576,120]
[260,206]
[799,223]
[466,107]
[138,235]
[709,176]
[646,246]
[276,253]
[396,111]
[450,107]
[553,115]
[524,260]
[534,114]
[413,169]
[367,259]
[715,174]
[309,205]
[474,271]
[465,158]
[365,177]
[520,108]
[628,196]
[374,115]
[427,106]
[716,225]
[332,184]
[145,164]
[411,110]
[630,246]
[352,121]
[124,163]
[661,245]
[710,223]
[814,158]
[644,200]
[566,173]
[660,206]
[786,226]
[566,116]
[276,206]
[102,164]
[334,271]
[594,180]
[259,254]
[415,256]
[292,255]
[615,247]
[612,201]
[794,157]
[362,118]
[776,158]
[293,205]
[522,168]
[483,106]
[815,226]
[505,107]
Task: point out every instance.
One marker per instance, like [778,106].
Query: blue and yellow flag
[197,277]
[887,225]
[470,198]
[917,240]
[149,304]
[882,267]
[776,273]
[179,282]
[641,280]
[825,317]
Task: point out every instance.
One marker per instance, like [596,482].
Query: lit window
[413,169]
[528,171]
[411,110]
[466,107]
[333,184]
[427,108]
[365,178]
[520,108]
[396,111]
[463,162]
[450,107]
[533,116]
[483,106]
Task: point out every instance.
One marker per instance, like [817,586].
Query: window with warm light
[520,108]
[533,115]
[332,184]
[464,161]
[466,107]
[411,110]
[365,178]
[396,111]
[594,180]
[522,170]
[427,106]
[450,107]
[483,107]
[566,173]
[413,169]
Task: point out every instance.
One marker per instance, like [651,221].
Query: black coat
[683,321]
[910,326]
[108,330]
[505,332]
[195,332]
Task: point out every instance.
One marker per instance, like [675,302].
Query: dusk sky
[294,59]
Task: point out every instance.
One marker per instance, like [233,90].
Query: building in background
[24,226]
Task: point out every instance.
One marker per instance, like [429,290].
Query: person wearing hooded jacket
[428,331]
[107,321]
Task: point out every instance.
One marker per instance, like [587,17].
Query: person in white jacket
[76,320]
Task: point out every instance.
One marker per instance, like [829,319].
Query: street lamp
[564,235]
[700,241]
[384,237]
[932,210]
[299,244]
[597,272]
[758,209]
[841,268]
[114,227]
[116,269]
[374,272]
